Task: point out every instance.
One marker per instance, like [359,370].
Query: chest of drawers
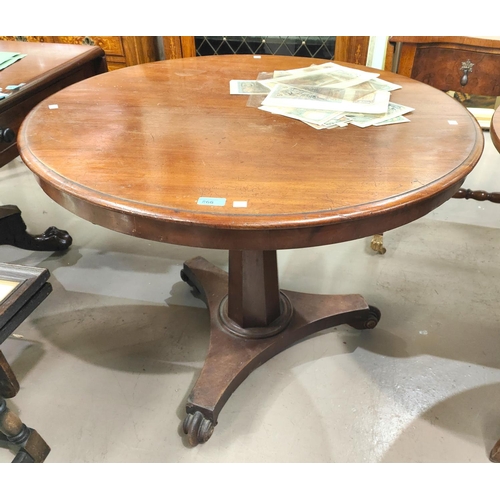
[463,64]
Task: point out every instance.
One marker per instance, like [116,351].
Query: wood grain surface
[439,61]
[456,41]
[42,65]
[134,149]
[46,69]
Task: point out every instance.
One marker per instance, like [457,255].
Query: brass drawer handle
[466,68]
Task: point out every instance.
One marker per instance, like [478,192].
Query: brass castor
[368,321]
[377,244]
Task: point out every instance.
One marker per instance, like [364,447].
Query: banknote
[375,82]
[247,87]
[394,110]
[390,121]
[328,74]
[329,126]
[328,99]
[379,84]
[306,69]
[324,127]
[338,121]
[324,96]
[316,117]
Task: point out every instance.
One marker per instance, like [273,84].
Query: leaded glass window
[322,47]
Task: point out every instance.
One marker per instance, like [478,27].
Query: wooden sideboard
[459,63]
[44,71]
[121,51]
[468,66]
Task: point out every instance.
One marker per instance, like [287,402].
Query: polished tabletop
[43,64]
[45,69]
[134,150]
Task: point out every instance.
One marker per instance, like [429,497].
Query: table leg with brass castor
[282,317]
[377,244]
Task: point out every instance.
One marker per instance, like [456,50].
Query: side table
[462,64]
[46,69]
[22,289]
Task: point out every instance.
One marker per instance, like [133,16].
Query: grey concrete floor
[107,361]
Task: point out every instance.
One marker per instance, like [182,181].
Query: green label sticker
[213,202]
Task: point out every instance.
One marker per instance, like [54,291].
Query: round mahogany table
[140,150]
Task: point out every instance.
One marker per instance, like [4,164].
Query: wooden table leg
[468,194]
[236,350]
[9,386]
[32,447]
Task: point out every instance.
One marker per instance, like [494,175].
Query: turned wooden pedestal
[251,324]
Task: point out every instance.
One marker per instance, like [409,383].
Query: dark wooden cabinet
[459,63]
[466,66]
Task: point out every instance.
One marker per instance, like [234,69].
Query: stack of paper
[8,58]
[326,96]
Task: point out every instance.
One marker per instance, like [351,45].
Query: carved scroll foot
[377,244]
[233,356]
[13,232]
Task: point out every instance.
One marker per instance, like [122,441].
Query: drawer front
[441,68]
[112,46]
[10,119]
